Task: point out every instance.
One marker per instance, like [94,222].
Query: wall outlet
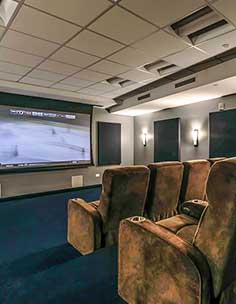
[98,175]
[77,181]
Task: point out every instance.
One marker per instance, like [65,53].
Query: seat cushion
[175,223]
[187,232]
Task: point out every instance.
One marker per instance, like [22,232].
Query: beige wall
[17,184]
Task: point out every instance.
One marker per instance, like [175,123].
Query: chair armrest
[154,264]
[84,226]
[194,208]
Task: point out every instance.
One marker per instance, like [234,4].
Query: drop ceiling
[67,49]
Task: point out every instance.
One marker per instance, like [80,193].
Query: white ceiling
[67,51]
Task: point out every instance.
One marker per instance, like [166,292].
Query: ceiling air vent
[144,96]
[185,82]
[119,82]
[161,67]
[202,25]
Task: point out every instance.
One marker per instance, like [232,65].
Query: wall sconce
[195,137]
[144,138]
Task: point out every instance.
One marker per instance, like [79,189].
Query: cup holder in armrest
[137,219]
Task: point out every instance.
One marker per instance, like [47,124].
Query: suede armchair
[95,225]
[164,190]
[178,265]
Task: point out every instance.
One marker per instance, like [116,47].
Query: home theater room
[118,151]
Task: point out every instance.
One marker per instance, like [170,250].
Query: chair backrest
[194,180]
[124,191]
[164,190]
[215,159]
[216,234]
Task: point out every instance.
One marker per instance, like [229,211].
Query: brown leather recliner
[158,266]
[164,190]
[95,225]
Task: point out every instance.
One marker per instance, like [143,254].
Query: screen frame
[23,101]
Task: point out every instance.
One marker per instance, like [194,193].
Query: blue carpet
[36,262]
[45,280]
[38,266]
[33,224]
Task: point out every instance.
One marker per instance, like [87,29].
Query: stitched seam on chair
[185,227]
[199,224]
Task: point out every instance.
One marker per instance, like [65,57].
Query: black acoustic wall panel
[167,140]
[109,143]
[222,133]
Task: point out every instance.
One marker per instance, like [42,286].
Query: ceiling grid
[76,48]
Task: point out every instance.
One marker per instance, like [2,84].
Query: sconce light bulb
[195,137]
[144,138]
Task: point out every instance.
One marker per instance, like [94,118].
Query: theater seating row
[171,261]
[182,250]
[157,192]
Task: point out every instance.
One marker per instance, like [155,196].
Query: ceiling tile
[122,26]
[109,67]
[112,94]
[33,22]
[102,87]
[2,30]
[131,57]
[160,45]
[65,87]
[89,92]
[91,75]
[162,12]
[122,91]
[28,44]
[13,68]
[95,44]
[216,46]
[187,57]
[79,11]
[37,82]
[137,75]
[73,57]
[9,76]
[13,56]
[45,75]
[80,83]
[227,8]
[58,67]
